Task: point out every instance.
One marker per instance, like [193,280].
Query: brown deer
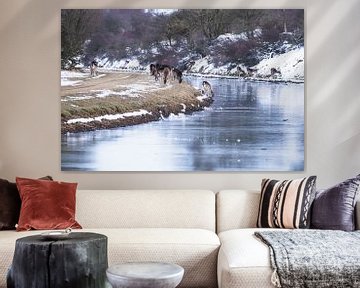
[93,68]
[166,74]
[164,71]
[154,72]
[177,74]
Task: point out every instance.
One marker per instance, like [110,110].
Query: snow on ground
[98,76]
[109,117]
[75,98]
[72,78]
[290,65]
[205,65]
[231,37]
[73,74]
[133,90]
[122,64]
[76,78]
[66,82]
[103,93]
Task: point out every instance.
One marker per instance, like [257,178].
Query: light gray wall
[30,106]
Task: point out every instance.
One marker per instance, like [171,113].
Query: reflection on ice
[251,126]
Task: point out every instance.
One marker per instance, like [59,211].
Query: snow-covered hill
[122,64]
[288,66]
[280,61]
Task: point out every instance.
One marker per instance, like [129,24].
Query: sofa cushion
[244,260]
[236,209]
[10,204]
[334,208]
[196,250]
[286,204]
[46,204]
[153,209]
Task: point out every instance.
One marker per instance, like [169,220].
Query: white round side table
[145,275]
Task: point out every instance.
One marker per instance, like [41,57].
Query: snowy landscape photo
[182,89]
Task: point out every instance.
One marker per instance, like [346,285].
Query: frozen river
[251,126]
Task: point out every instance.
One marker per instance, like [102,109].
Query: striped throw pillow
[286,204]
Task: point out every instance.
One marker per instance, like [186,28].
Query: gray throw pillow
[334,208]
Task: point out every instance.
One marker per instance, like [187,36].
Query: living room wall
[30,106]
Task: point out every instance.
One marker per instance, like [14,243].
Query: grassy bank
[122,99]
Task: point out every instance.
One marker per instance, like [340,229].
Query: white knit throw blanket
[313,258]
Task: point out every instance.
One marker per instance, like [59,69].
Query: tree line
[122,33]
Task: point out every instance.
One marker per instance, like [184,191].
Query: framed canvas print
[182,89]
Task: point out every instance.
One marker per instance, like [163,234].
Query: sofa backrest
[236,209]
[239,209]
[146,209]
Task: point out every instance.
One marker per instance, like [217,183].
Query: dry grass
[158,99]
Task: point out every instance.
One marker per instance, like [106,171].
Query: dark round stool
[79,260]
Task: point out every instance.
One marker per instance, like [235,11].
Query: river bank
[250,126]
[112,100]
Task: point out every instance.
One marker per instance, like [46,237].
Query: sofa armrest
[357,215]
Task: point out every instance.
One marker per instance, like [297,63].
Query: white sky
[161,11]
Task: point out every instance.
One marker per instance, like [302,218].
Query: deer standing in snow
[93,68]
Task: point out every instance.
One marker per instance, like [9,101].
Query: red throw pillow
[46,204]
[10,204]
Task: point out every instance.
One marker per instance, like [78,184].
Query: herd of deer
[164,73]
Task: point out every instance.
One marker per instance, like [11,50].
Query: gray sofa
[210,235]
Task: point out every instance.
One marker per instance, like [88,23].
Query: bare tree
[76,27]
[212,22]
